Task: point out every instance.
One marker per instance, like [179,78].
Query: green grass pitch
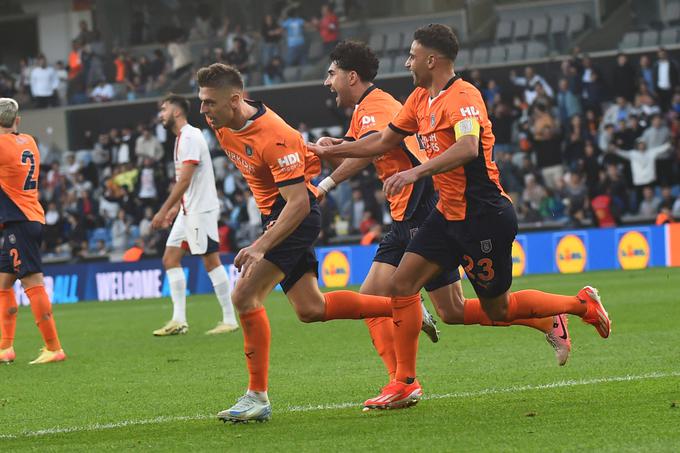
[487,389]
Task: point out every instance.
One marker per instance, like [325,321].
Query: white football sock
[178,293]
[220,281]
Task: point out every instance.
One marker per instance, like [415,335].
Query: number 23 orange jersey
[457,111]
[19,172]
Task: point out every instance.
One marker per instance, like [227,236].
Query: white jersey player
[194,207]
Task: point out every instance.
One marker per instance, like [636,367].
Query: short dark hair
[219,75]
[438,37]
[179,101]
[356,56]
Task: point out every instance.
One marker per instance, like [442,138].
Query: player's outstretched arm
[294,212]
[348,168]
[369,146]
[459,154]
[160,220]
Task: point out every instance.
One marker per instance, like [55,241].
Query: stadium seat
[630,40]
[504,30]
[649,38]
[386,65]
[539,26]
[669,36]
[558,24]
[480,55]
[315,50]
[393,41]
[463,59]
[291,74]
[515,52]
[522,28]
[497,54]
[577,23]
[377,43]
[536,50]
[313,72]
[672,12]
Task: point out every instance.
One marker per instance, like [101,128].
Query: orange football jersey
[373,113]
[19,172]
[458,110]
[270,154]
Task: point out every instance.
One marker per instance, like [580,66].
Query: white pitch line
[321,407]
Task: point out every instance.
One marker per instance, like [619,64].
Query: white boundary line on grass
[321,407]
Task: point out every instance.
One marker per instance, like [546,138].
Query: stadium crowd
[587,152]
[93,73]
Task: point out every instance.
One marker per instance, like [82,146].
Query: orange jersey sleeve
[19,173]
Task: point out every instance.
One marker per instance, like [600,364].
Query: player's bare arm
[460,153]
[294,212]
[162,218]
[369,146]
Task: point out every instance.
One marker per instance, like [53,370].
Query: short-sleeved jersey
[457,111]
[191,148]
[270,154]
[19,172]
[373,113]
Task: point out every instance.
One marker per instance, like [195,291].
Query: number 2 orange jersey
[457,111]
[373,113]
[270,154]
[19,172]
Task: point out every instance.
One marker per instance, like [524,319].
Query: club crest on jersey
[486,246]
[433,120]
[249,151]
[12,239]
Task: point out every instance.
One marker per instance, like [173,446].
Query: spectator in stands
[148,146]
[180,52]
[44,83]
[329,28]
[202,29]
[273,72]
[271,38]
[657,133]
[528,82]
[62,83]
[604,210]
[646,72]
[575,196]
[100,249]
[354,210]
[649,206]
[666,77]
[149,183]
[546,145]
[238,57]
[642,162]
[624,79]
[509,177]
[618,111]
[593,86]
[157,64]
[102,92]
[85,36]
[294,25]
[532,196]
[502,120]
[675,211]
[568,104]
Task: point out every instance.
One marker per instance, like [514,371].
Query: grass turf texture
[122,388]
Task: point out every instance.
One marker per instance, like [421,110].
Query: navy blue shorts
[20,253]
[295,256]
[394,245]
[481,244]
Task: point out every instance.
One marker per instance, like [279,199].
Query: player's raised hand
[395,183]
[247,258]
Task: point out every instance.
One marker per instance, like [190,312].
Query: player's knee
[495,311]
[242,299]
[12,311]
[169,262]
[400,287]
[311,313]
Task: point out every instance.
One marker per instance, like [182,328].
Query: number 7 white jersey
[191,147]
